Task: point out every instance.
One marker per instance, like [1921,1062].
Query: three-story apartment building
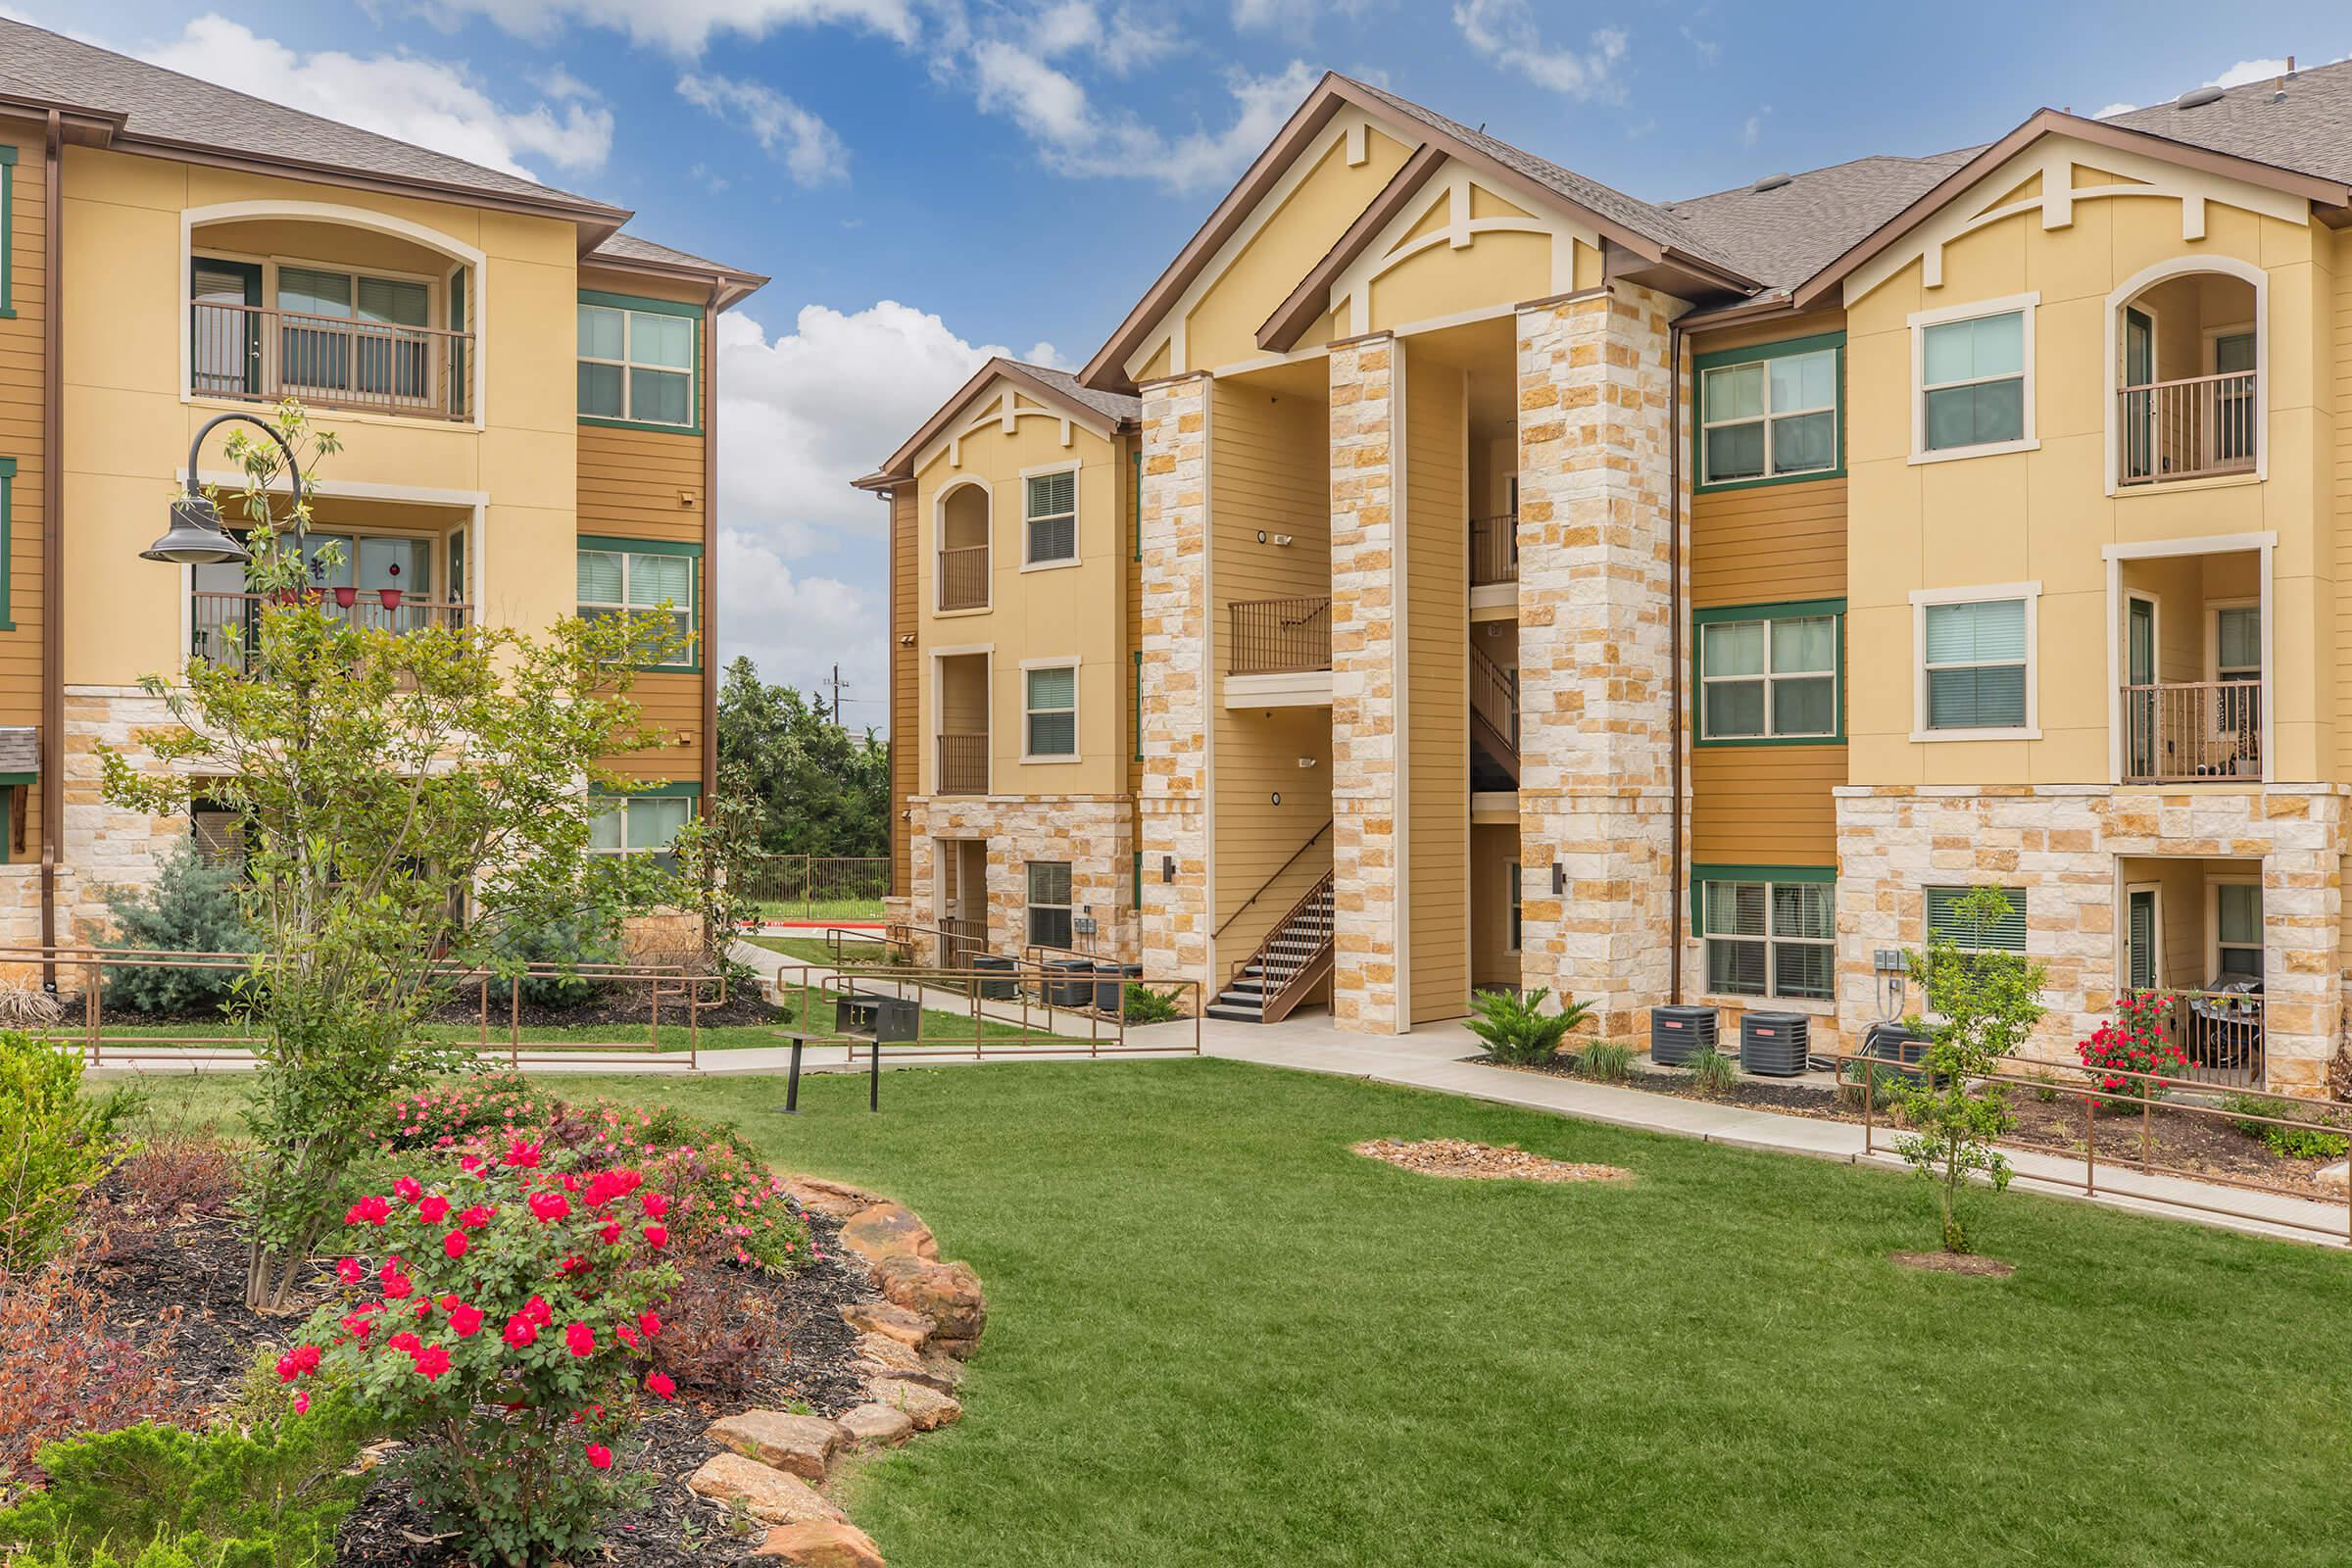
[525,395]
[1480,576]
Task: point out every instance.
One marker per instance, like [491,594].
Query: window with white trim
[1049,907]
[1051,711]
[1768,679]
[1050,516]
[636,366]
[622,582]
[1946,920]
[1770,939]
[1978,663]
[640,824]
[2237,930]
[1972,381]
[1769,416]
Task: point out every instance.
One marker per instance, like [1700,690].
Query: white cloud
[1074,138]
[1292,19]
[810,150]
[1751,129]
[1505,32]
[1121,41]
[685,26]
[2114,109]
[797,626]
[433,103]
[2246,70]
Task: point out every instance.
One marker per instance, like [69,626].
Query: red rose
[406,1189]
[475,1217]
[432,1361]
[302,1402]
[464,1321]
[371,1211]
[404,1341]
[659,1384]
[611,1233]
[654,1204]
[550,1205]
[522,1331]
[599,1456]
[397,1287]
[626,1334]
[453,1245]
[288,1371]
[649,1322]
[522,1155]
[657,1236]
[432,1209]
[351,1271]
[536,1309]
[580,1339]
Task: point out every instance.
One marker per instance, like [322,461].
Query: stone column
[1367,691]
[1177,686]
[1596,618]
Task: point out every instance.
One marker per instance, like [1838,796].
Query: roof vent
[1772,182]
[2198,98]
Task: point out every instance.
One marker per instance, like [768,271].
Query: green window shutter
[1944,920]
[1138,704]
[8,542]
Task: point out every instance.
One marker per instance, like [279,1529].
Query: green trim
[8,249]
[1138,708]
[1137,883]
[1754,354]
[656,547]
[633,302]
[8,541]
[1785,609]
[1701,875]
[8,779]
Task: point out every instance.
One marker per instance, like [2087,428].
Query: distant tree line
[813,788]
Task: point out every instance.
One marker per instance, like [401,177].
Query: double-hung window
[1050,516]
[1770,936]
[1051,711]
[1975,372]
[1049,904]
[1770,414]
[1976,665]
[2237,930]
[638,825]
[1770,676]
[636,366]
[614,580]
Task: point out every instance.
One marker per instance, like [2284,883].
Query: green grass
[815,949]
[818,908]
[1216,1337]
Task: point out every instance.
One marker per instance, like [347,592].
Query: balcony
[962,763]
[1493,550]
[224,628]
[1280,636]
[2192,731]
[2199,428]
[256,355]
[963,578]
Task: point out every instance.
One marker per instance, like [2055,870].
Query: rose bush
[498,1323]
[2137,1040]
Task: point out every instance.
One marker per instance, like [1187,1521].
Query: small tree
[192,907]
[410,797]
[715,853]
[1984,1001]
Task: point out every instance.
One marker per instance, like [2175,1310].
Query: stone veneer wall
[1177,678]
[104,845]
[1367,649]
[1094,833]
[2060,843]
[1596,607]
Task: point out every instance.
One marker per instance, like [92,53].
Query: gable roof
[634,253]
[1056,389]
[2301,122]
[1789,233]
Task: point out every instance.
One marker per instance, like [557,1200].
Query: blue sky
[931,181]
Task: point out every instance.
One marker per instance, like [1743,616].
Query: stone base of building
[1094,834]
[2065,846]
[1605,938]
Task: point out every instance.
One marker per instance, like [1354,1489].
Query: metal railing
[256,354]
[2188,429]
[1295,952]
[815,886]
[2127,1114]
[1280,636]
[963,577]
[2220,1033]
[1494,697]
[1022,1010]
[104,1029]
[1493,550]
[963,762]
[226,629]
[2178,733]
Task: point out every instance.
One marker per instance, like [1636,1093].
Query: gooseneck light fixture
[196,537]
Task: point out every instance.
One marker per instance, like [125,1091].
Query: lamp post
[196,537]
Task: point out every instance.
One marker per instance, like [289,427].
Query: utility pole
[836,696]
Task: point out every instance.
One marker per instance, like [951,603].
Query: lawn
[1217,1337]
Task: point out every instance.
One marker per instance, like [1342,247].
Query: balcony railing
[1493,550]
[2191,429]
[262,356]
[962,764]
[963,577]
[226,629]
[1281,636]
[2196,730]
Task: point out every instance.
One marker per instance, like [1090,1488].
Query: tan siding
[641,484]
[21,410]
[1493,847]
[1768,542]
[1438,691]
[1269,464]
[671,703]
[1765,805]
[906,660]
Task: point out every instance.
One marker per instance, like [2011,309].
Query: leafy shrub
[1517,1030]
[2136,1041]
[54,1143]
[1146,1005]
[444,1117]
[720,1331]
[178,1173]
[2292,1143]
[87,1378]
[501,1336]
[1873,1083]
[1712,1072]
[590,937]
[1608,1061]
[154,1497]
[192,907]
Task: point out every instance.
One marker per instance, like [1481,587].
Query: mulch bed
[619,1005]
[2183,1141]
[1460,1161]
[196,1265]
[1991,1268]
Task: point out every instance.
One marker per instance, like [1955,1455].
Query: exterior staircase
[1287,965]
[1495,714]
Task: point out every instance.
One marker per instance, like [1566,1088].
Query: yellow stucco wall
[2043,516]
[1043,612]
[127,419]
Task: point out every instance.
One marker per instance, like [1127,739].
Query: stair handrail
[1274,988]
[1271,880]
[1481,664]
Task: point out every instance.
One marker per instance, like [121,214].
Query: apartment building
[524,391]
[1482,576]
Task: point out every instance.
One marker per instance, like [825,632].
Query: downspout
[1674,635]
[53,534]
[709,649]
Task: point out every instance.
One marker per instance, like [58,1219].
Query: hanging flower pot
[390,597]
[346,597]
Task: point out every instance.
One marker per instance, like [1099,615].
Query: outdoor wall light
[1559,880]
[1282,541]
[1167,868]
[1308,761]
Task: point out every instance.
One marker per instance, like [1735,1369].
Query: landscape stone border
[911,1346]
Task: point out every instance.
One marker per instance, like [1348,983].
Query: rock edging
[911,1346]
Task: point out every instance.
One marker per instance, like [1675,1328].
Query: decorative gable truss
[1004,408]
[1461,209]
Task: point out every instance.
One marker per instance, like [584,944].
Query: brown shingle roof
[1786,234]
[2308,129]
